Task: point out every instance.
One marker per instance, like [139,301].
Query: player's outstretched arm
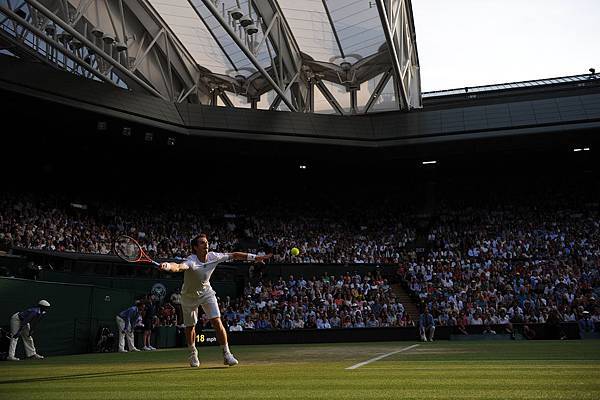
[173,267]
[250,257]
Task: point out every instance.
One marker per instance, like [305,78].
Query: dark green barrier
[166,336]
[136,286]
[70,326]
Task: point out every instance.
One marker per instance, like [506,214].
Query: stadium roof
[329,31]
[342,42]
[329,56]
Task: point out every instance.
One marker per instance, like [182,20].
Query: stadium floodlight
[251,29]
[64,37]
[429,162]
[577,150]
[108,39]
[120,46]
[76,44]
[236,13]
[171,141]
[149,136]
[97,32]
[586,149]
[245,21]
[302,166]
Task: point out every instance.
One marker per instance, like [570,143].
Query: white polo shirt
[196,278]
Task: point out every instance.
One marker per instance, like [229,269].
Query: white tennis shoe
[229,359]
[194,362]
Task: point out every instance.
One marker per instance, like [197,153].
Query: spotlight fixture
[149,136]
[429,162]
[75,44]
[120,46]
[97,32]
[251,29]
[171,141]
[108,39]
[126,131]
[245,21]
[236,13]
[302,166]
[64,37]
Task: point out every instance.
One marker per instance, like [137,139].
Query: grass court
[440,370]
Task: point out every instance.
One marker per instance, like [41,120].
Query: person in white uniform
[196,291]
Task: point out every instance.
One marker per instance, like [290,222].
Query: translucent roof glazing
[325,30]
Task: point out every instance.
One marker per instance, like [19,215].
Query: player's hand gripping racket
[128,249]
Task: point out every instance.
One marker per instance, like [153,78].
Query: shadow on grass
[96,375]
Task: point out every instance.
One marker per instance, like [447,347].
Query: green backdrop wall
[80,304]
[75,313]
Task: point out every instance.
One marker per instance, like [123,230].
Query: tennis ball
[295,251]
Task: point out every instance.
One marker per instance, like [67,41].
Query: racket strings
[128,249]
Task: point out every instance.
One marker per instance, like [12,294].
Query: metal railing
[514,85]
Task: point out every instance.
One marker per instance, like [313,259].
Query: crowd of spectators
[348,235]
[351,300]
[510,265]
[503,263]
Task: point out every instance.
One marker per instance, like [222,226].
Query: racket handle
[155,263]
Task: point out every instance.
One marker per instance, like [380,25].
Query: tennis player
[196,291]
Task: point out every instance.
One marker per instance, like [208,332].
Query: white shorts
[190,304]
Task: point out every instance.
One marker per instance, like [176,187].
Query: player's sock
[225,348]
[192,348]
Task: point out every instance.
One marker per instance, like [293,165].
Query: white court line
[380,357]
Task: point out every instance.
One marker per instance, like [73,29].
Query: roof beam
[386,14]
[97,50]
[213,10]
[378,89]
[337,39]
[329,97]
[398,27]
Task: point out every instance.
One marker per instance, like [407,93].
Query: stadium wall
[556,112]
[78,311]
[543,332]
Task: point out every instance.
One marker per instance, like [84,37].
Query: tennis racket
[128,249]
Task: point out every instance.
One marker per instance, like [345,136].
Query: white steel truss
[236,53]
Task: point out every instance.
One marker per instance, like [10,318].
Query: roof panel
[193,34]
[356,23]
[242,63]
[358,26]
[311,28]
